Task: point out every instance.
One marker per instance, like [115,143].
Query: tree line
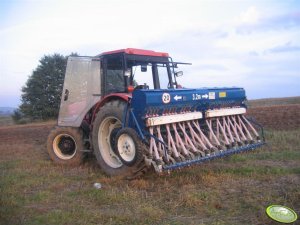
[40,99]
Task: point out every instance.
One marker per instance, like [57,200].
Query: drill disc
[281,214]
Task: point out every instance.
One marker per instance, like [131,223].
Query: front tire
[65,145]
[107,122]
[129,147]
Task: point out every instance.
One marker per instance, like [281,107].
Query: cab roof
[135,51]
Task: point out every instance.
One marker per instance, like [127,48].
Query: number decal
[166,98]
[196,97]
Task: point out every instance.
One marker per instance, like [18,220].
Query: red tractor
[127,108]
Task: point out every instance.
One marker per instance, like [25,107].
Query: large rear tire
[65,145]
[105,127]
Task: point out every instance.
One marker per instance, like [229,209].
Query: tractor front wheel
[65,145]
[128,146]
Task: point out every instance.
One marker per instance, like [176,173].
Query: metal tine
[218,131]
[153,147]
[196,136]
[208,123]
[179,141]
[228,130]
[245,128]
[188,141]
[151,151]
[239,129]
[223,132]
[171,142]
[212,134]
[237,137]
[159,136]
[192,132]
[167,158]
[197,125]
[250,125]
[172,159]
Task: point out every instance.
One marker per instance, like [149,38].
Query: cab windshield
[150,72]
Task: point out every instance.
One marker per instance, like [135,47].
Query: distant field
[274,101]
[233,191]
[276,113]
[6,120]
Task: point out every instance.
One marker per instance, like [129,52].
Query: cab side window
[114,78]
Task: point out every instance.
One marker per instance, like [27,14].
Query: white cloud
[251,15]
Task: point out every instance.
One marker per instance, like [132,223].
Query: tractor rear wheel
[65,145]
[105,127]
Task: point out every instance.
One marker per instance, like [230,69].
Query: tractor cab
[127,69]
[88,80]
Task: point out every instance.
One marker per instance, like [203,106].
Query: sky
[253,44]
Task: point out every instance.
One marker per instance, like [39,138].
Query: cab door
[81,90]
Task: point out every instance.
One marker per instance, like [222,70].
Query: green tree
[42,91]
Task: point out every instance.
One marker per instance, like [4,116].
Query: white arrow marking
[177,97]
[205,96]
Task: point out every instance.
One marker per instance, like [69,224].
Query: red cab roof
[135,51]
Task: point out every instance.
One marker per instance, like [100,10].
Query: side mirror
[144,68]
[178,73]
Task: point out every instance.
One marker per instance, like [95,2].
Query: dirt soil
[279,117]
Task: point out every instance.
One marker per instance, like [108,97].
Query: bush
[17,116]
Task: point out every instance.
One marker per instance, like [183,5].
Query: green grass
[267,155]
[234,190]
[263,170]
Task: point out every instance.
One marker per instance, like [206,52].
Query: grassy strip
[266,155]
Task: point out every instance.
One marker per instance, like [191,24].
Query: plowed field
[279,117]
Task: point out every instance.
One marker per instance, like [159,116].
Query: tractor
[127,108]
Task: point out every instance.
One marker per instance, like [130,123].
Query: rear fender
[116,96]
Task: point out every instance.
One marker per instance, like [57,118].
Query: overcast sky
[253,44]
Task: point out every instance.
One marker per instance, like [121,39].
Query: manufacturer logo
[166,98]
